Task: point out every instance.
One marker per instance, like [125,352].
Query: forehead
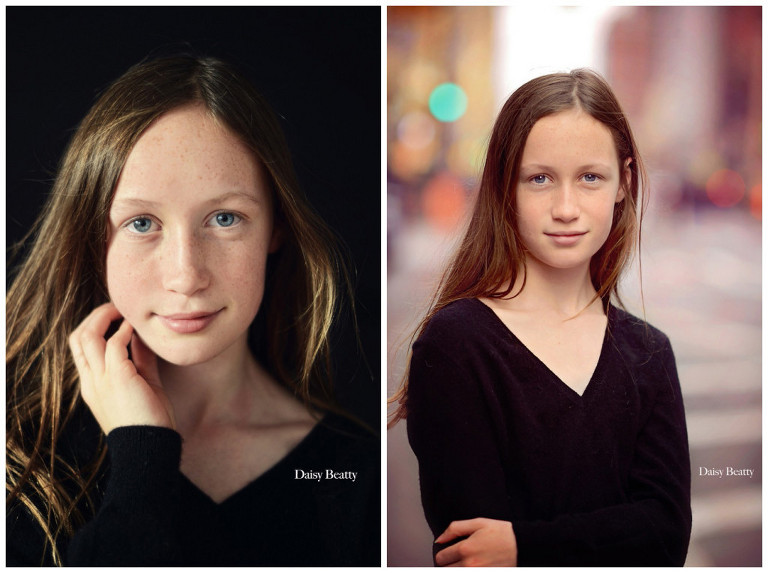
[570,134]
[187,148]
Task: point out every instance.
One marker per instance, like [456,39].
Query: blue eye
[591,178]
[226,219]
[140,225]
[539,179]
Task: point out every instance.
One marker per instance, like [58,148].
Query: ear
[626,180]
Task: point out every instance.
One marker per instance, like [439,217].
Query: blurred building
[690,79]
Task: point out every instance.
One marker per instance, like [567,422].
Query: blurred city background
[690,81]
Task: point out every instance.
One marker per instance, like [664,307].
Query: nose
[565,204]
[184,265]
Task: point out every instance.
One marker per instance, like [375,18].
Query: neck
[220,390]
[565,292]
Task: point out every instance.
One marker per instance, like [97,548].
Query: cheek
[603,222]
[607,213]
[527,218]
[245,272]
[126,279]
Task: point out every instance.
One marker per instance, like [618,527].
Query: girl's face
[190,228]
[568,185]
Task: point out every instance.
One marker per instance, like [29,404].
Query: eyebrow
[541,167]
[218,199]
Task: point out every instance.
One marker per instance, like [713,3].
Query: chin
[188,357]
[562,263]
[569,265]
[193,349]
[189,351]
[184,360]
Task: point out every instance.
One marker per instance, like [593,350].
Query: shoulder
[345,429]
[455,325]
[344,438]
[638,341]
[635,330]
[458,357]
[352,456]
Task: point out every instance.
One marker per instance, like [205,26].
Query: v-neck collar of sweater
[558,383]
[313,440]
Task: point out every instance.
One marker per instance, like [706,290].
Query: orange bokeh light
[756,201]
[725,188]
[444,201]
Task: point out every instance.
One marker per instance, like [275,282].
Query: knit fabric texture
[601,478]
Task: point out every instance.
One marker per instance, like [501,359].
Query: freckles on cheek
[124,281]
[247,273]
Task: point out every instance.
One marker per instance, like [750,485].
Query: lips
[188,322]
[566,238]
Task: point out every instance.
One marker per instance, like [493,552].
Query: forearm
[139,516]
[632,534]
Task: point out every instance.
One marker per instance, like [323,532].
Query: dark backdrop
[318,66]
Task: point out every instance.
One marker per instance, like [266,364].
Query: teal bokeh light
[448,102]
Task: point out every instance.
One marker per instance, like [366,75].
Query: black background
[319,67]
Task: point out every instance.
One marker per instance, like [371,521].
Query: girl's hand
[491,543]
[119,392]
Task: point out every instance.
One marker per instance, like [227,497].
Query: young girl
[168,360]
[548,423]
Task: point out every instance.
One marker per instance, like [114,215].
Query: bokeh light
[725,188]
[756,201]
[702,165]
[448,102]
[416,130]
[411,163]
[444,200]
[466,154]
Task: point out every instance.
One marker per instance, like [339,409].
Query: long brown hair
[63,278]
[491,254]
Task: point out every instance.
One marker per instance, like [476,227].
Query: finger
[446,557]
[145,360]
[100,318]
[460,529]
[77,355]
[80,355]
[93,348]
[91,334]
[116,351]
[146,364]
[83,369]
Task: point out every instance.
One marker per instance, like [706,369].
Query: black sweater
[597,479]
[149,513]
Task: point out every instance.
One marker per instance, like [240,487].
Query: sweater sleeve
[653,526]
[139,520]
[450,431]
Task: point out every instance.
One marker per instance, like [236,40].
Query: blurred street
[702,287]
